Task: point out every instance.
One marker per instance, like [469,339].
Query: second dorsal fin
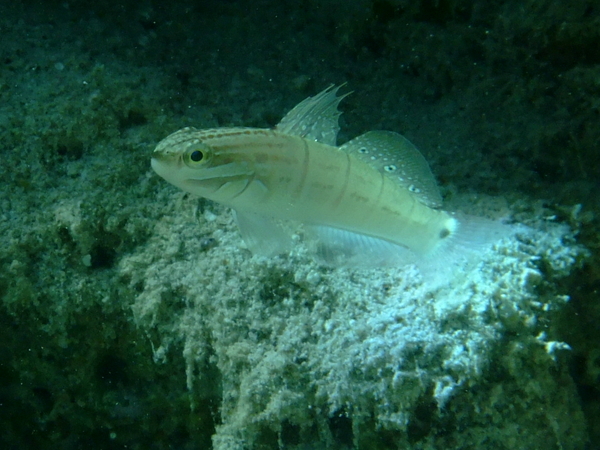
[397,158]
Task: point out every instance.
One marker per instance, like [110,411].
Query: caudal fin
[472,237]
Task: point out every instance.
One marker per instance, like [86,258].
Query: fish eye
[196,156]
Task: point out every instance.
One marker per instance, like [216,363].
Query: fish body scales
[319,184]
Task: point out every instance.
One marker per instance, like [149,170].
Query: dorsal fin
[315,117]
[398,159]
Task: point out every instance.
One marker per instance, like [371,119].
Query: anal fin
[341,248]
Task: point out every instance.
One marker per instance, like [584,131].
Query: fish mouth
[225,172]
[168,167]
[158,164]
[162,165]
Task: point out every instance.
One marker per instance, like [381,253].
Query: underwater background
[131,314]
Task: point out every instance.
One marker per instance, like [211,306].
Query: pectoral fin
[262,235]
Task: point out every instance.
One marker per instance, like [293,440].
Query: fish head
[202,163]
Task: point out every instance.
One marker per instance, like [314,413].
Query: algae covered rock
[314,357]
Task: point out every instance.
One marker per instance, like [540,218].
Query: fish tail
[471,237]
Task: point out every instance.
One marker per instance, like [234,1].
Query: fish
[372,200]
